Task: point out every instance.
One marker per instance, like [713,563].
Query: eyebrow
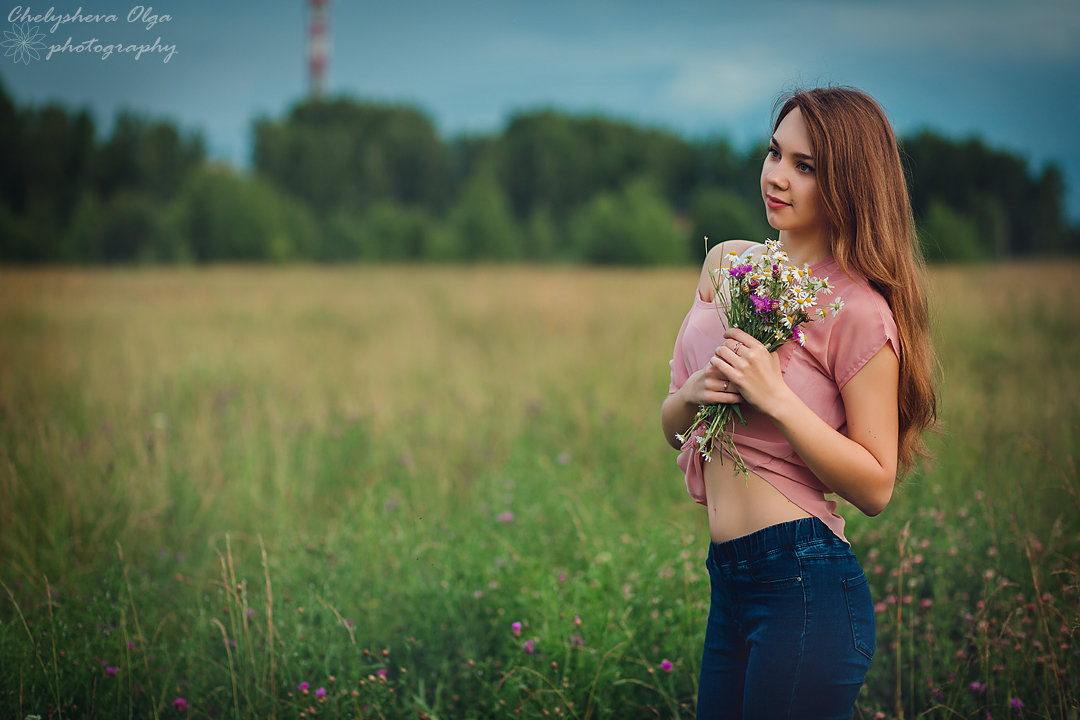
[799,155]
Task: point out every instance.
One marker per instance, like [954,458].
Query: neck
[804,248]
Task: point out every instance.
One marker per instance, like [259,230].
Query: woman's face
[788,182]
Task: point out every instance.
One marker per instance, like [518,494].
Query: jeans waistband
[773,537]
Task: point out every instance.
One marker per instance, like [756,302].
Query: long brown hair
[871,231]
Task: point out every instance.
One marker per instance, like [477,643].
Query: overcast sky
[1005,70]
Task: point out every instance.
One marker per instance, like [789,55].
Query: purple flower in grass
[303,687]
[516,629]
[666,666]
[180,704]
[111,670]
[381,672]
[528,648]
[320,693]
[1016,703]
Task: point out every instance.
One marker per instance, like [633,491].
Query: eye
[803,167]
[773,152]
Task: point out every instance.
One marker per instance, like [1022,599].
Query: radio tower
[318,44]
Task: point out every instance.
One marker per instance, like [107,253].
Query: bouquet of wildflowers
[770,301]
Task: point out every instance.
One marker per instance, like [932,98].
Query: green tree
[950,236]
[724,215]
[543,240]
[484,224]
[11,160]
[128,227]
[718,164]
[634,226]
[555,161]
[991,225]
[1046,200]
[44,172]
[543,163]
[151,156]
[339,153]
[390,231]
[344,238]
[69,198]
[222,215]
[963,175]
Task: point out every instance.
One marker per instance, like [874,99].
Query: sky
[1006,71]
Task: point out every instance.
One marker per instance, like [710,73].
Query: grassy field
[405,492]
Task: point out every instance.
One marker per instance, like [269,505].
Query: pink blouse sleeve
[860,329]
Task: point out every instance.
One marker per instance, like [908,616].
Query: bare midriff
[741,504]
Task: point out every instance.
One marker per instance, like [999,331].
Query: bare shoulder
[719,256]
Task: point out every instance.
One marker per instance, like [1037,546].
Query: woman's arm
[704,387]
[859,467]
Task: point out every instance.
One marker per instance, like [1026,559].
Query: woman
[791,626]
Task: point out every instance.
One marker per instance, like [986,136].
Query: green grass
[217,485]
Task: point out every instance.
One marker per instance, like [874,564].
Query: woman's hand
[711,386]
[752,370]
[707,386]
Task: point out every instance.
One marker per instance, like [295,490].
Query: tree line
[339,180]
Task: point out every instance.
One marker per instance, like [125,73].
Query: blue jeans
[791,627]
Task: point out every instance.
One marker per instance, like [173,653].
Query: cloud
[727,85]
[1033,31]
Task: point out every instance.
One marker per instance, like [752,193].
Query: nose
[776,176]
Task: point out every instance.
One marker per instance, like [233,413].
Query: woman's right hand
[707,386]
[710,386]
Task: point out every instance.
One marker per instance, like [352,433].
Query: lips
[774,202]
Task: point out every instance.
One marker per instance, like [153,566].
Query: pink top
[836,348]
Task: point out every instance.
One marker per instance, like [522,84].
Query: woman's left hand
[752,369]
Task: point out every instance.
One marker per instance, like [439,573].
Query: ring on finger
[727,384]
[737,346]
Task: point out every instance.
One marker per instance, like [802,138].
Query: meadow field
[442,492]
